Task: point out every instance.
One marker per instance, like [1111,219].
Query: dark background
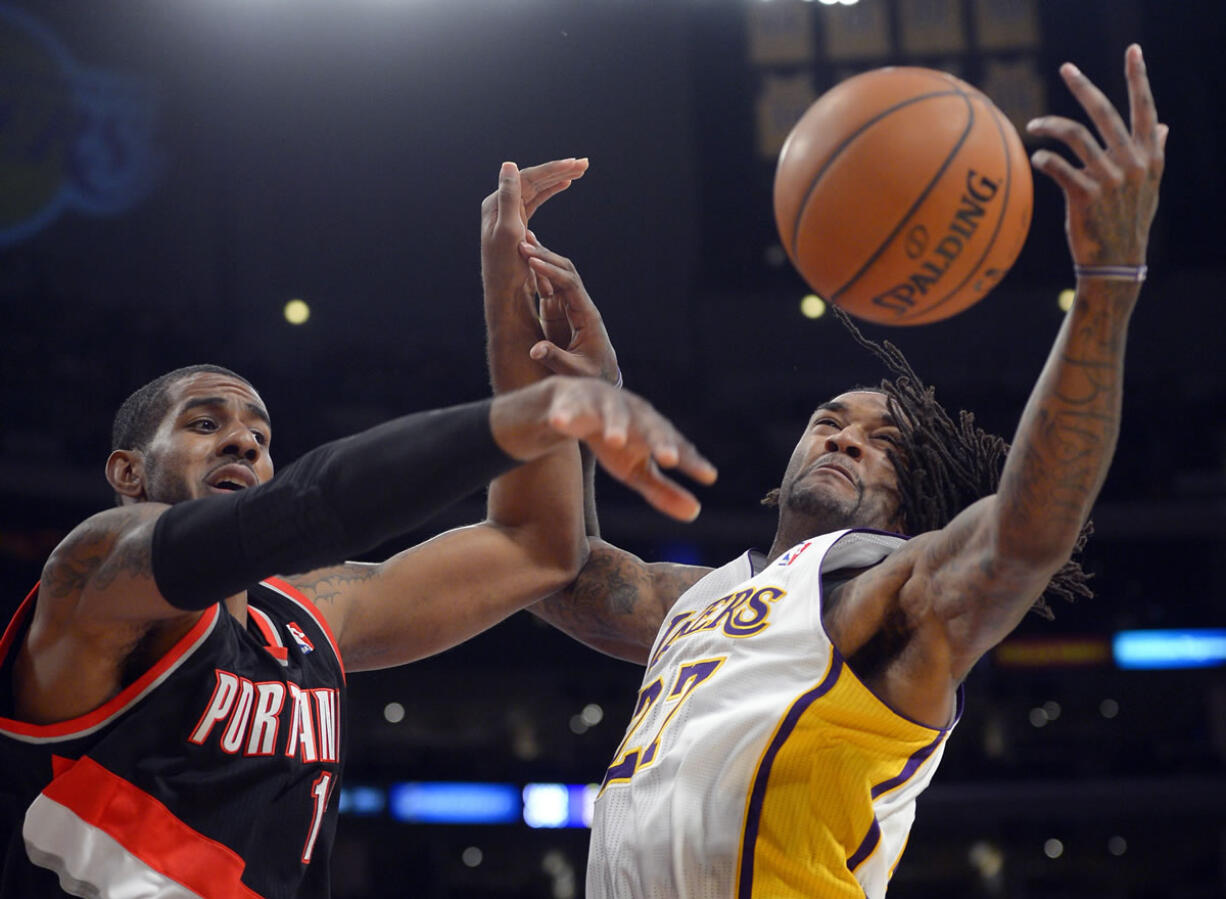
[240,154]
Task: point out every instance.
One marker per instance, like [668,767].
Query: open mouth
[228,486]
[230,478]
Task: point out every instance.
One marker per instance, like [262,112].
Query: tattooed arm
[964,588]
[97,600]
[434,595]
[618,602]
[105,557]
[532,542]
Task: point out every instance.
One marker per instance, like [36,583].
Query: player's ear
[125,472]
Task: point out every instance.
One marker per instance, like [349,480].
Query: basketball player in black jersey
[172,714]
[983,548]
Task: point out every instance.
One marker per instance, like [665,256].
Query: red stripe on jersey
[147,829]
[113,706]
[275,647]
[289,591]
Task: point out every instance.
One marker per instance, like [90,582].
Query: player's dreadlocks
[948,465]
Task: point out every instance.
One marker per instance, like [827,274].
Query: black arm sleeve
[338,500]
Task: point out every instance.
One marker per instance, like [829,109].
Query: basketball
[903,195]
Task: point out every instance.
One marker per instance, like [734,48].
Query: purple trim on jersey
[918,757]
[867,845]
[758,795]
[940,731]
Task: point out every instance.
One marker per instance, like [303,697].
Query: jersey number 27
[689,678]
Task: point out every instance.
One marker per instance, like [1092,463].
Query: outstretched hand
[505,215]
[630,439]
[632,442]
[1111,200]
[576,342]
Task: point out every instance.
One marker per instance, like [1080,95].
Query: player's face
[840,474]
[213,440]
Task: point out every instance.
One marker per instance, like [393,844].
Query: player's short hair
[138,418]
[946,465]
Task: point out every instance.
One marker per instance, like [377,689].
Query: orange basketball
[903,195]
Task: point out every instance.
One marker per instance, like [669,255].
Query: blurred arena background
[173,174]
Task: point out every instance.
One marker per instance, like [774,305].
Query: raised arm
[618,602]
[541,500]
[532,541]
[970,584]
[432,596]
[146,561]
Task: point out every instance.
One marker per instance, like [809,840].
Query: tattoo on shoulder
[73,564]
[326,585]
[133,557]
[95,555]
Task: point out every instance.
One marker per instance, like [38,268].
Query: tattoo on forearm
[1067,447]
[621,592]
[599,601]
[331,583]
[618,598]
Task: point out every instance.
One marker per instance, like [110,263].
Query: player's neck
[796,528]
[785,539]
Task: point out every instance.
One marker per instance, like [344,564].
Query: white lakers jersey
[756,763]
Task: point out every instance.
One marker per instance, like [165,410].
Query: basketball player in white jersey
[796,702]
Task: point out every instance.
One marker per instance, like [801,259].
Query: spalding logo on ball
[903,195]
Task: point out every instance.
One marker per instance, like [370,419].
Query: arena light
[297,312]
[812,306]
[362,801]
[537,805]
[455,803]
[558,805]
[1170,649]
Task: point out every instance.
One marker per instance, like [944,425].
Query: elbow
[1037,545]
[576,556]
[1032,555]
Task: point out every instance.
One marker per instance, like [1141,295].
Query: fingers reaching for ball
[1111,198]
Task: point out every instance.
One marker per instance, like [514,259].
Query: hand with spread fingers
[629,438]
[576,342]
[632,442]
[1112,198]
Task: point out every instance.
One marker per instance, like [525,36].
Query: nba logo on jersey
[793,554]
[300,638]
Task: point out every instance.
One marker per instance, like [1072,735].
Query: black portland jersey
[212,775]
